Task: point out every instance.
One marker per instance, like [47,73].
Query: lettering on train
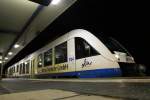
[86,63]
[58,68]
[71,58]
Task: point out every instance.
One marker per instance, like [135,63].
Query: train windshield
[112,44]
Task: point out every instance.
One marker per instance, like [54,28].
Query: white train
[78,53]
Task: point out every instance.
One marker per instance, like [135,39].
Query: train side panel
[100,64]
[97,66]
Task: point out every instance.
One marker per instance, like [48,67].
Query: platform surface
[75,89]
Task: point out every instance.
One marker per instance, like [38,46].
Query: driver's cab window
[83,49]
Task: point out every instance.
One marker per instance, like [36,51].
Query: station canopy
[22,20]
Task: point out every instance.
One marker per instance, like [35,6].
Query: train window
[83,49]
[14,69]
[40,60]
[48,58]
[20,72]
[111,43]
[11,70]
[61,53]
[17,68]
[23,68]
[27,66]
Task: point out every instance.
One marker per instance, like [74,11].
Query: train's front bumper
[131,69]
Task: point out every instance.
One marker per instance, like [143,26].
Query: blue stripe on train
[100,73]
[111,72]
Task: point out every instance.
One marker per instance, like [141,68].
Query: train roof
[74,33]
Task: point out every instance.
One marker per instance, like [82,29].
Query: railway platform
[75,89]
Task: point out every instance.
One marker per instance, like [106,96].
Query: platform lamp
[42,2]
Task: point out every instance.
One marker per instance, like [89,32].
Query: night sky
[127,22]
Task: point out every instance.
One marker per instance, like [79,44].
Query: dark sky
[128,22]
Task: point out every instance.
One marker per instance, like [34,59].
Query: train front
[124,58]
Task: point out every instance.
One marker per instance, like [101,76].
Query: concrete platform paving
[51,94]
[124,89]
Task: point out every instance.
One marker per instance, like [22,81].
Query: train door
[71,56]
[86,58]
[32,68]
[61,63]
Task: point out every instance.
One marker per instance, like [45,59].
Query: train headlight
[117,56]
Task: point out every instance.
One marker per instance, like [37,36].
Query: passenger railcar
[78,53]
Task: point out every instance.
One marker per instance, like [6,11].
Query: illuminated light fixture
[10,53]
[40,63]
[0,62]
[6,58]
[25,63]
[55,2]
[16,46]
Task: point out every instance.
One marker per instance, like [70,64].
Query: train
[78,53]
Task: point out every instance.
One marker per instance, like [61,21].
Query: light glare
[16,46]
[25,63]
[6,58]
[10,53]
[117,56]
[55,2]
